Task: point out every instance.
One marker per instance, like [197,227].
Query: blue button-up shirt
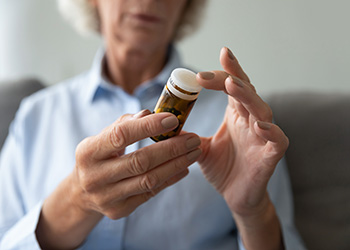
[40,152]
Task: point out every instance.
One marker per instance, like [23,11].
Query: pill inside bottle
[178,97]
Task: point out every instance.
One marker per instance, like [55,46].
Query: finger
[276,141]
[119,209]
[251,101]
[152,179]
[147,158]
[214,80]
[239,90]
[124,133]
[126,117]
[206,143]
[242,111]
[171,181]
[231,65]
[176,178]
[141,114]
[122,118]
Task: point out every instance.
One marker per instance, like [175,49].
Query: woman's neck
[128,68]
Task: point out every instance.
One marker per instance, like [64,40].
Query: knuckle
[174,149]
[87,182]
[139,162]
[179,165]
[88,178]
[148,195]
[147,128]
[251,86]
[267,114]
[149,182]
[127,207]
[98,201]
[124,117]
[112,216]
[94,202]
[117,137]
[84,151]
[113,213]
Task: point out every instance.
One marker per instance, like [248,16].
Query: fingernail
[264,125]
[206,75]
[236,81]
[230,54]
[192,156]
[142,113]
[193,142]
[170,122]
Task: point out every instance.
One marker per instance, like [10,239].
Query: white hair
[83,16]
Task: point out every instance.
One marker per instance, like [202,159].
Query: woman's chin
[146,44]
[142,38]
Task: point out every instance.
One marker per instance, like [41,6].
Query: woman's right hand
[107,182]
[114,184]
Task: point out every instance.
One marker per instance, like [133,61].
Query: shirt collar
[97,83]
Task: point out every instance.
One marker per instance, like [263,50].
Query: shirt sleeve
[280,192]
[18,213]
[21,235]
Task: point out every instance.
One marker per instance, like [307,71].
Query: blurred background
[282,45]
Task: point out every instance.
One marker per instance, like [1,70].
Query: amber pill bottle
[178,97]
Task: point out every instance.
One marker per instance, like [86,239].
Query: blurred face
[139,23]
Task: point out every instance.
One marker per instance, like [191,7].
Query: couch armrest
[11,94]
[318,158]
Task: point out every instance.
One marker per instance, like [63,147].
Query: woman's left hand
[241,157]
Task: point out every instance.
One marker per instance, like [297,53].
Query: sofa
[11,94]
[318,158]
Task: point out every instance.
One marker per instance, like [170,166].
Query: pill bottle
[178,97]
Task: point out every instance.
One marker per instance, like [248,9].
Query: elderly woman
[78,169]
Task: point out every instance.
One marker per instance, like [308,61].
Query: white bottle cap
[186,80]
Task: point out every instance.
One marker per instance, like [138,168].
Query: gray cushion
[11,94]
[318,127]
